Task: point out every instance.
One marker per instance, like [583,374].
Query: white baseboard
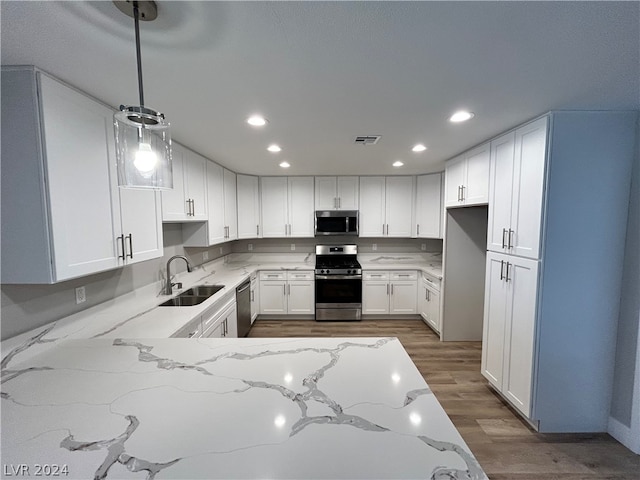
[624,435]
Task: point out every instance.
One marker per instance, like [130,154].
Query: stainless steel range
[338,278]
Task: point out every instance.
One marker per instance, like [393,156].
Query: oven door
[338,297]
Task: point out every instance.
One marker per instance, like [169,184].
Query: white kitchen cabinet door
[423,301]
[509,326]
[217,330]
[274,196]
[215,199]
[326,193]
[230,205]
[500,192]
[399,207]
[454,177]
[434,310]
[404,297]
[230,321]
[348,193]
[372,206]
[141,214]
[495,320]
[522,277]
[273,297]
[429,206]
[80,166]
[375,297]
[301,297]
[301,207]
[248,206]
[255,299]
[528,188]
[476,188]
[187,201]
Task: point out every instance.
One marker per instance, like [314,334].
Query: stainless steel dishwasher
[243,304]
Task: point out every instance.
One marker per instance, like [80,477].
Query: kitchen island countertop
[227,408]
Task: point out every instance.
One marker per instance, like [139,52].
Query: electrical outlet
[205,255]
[81,295]
[293,247]
[374,247]
[250,246]
[423,247]
[220,250]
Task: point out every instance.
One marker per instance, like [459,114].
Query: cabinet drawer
[404,275]
[375,275]
[431,281]
[295,275]
[273,275]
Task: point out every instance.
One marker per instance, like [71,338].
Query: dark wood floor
[505,446]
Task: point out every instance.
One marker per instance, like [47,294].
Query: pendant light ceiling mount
[148,10]
[143,139]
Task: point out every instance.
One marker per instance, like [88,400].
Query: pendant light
[143,138]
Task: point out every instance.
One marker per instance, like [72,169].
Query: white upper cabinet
[429,206]
[221,225]
[287,206]
[63,215]
[187,201]
[467,178]
[386,206]
[516,190]
[248,207]
[336,193]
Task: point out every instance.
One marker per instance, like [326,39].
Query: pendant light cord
[136,19]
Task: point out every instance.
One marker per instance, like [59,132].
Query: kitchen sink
[193,296]
[203,290]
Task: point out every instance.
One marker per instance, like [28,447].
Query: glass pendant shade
[143,148]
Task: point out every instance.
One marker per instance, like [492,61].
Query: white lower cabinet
[216,322]
[393,292]
[429,301]
[287,293]
[508,328]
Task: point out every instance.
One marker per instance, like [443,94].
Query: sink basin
[194,296]
[203,290]
[184,301]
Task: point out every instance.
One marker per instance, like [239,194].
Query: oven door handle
[338,277]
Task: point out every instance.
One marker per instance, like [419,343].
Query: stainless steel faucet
[168,289]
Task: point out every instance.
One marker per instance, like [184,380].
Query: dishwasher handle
[243,287]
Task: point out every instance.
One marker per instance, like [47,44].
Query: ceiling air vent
[367,139]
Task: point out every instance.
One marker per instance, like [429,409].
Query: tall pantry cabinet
[558,203]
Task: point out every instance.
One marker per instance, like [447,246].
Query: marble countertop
[226,408]
[138,314]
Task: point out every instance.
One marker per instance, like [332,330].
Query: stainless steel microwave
[336,222]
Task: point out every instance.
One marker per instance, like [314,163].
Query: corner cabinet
[386,292]
[386,206]
[63,214]
[287,207]
[467,178]
[429,301]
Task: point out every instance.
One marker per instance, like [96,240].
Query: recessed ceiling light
[461,116]
[285,164]
[398,163]
[274,148]
[257,121]
[418,148]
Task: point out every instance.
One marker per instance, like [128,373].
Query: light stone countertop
[288,408]
[138,314]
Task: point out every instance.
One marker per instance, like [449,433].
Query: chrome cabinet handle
[121,239]
[257,230]
[418,229]
[387,289]
[504,232]
[130,237]
[511,232]
[392,289]
[284,289]
[459,199]
[335,202]
[501,269]
[462,192]
[339,202]
[507,279]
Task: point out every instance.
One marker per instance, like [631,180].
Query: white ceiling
[324,72]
